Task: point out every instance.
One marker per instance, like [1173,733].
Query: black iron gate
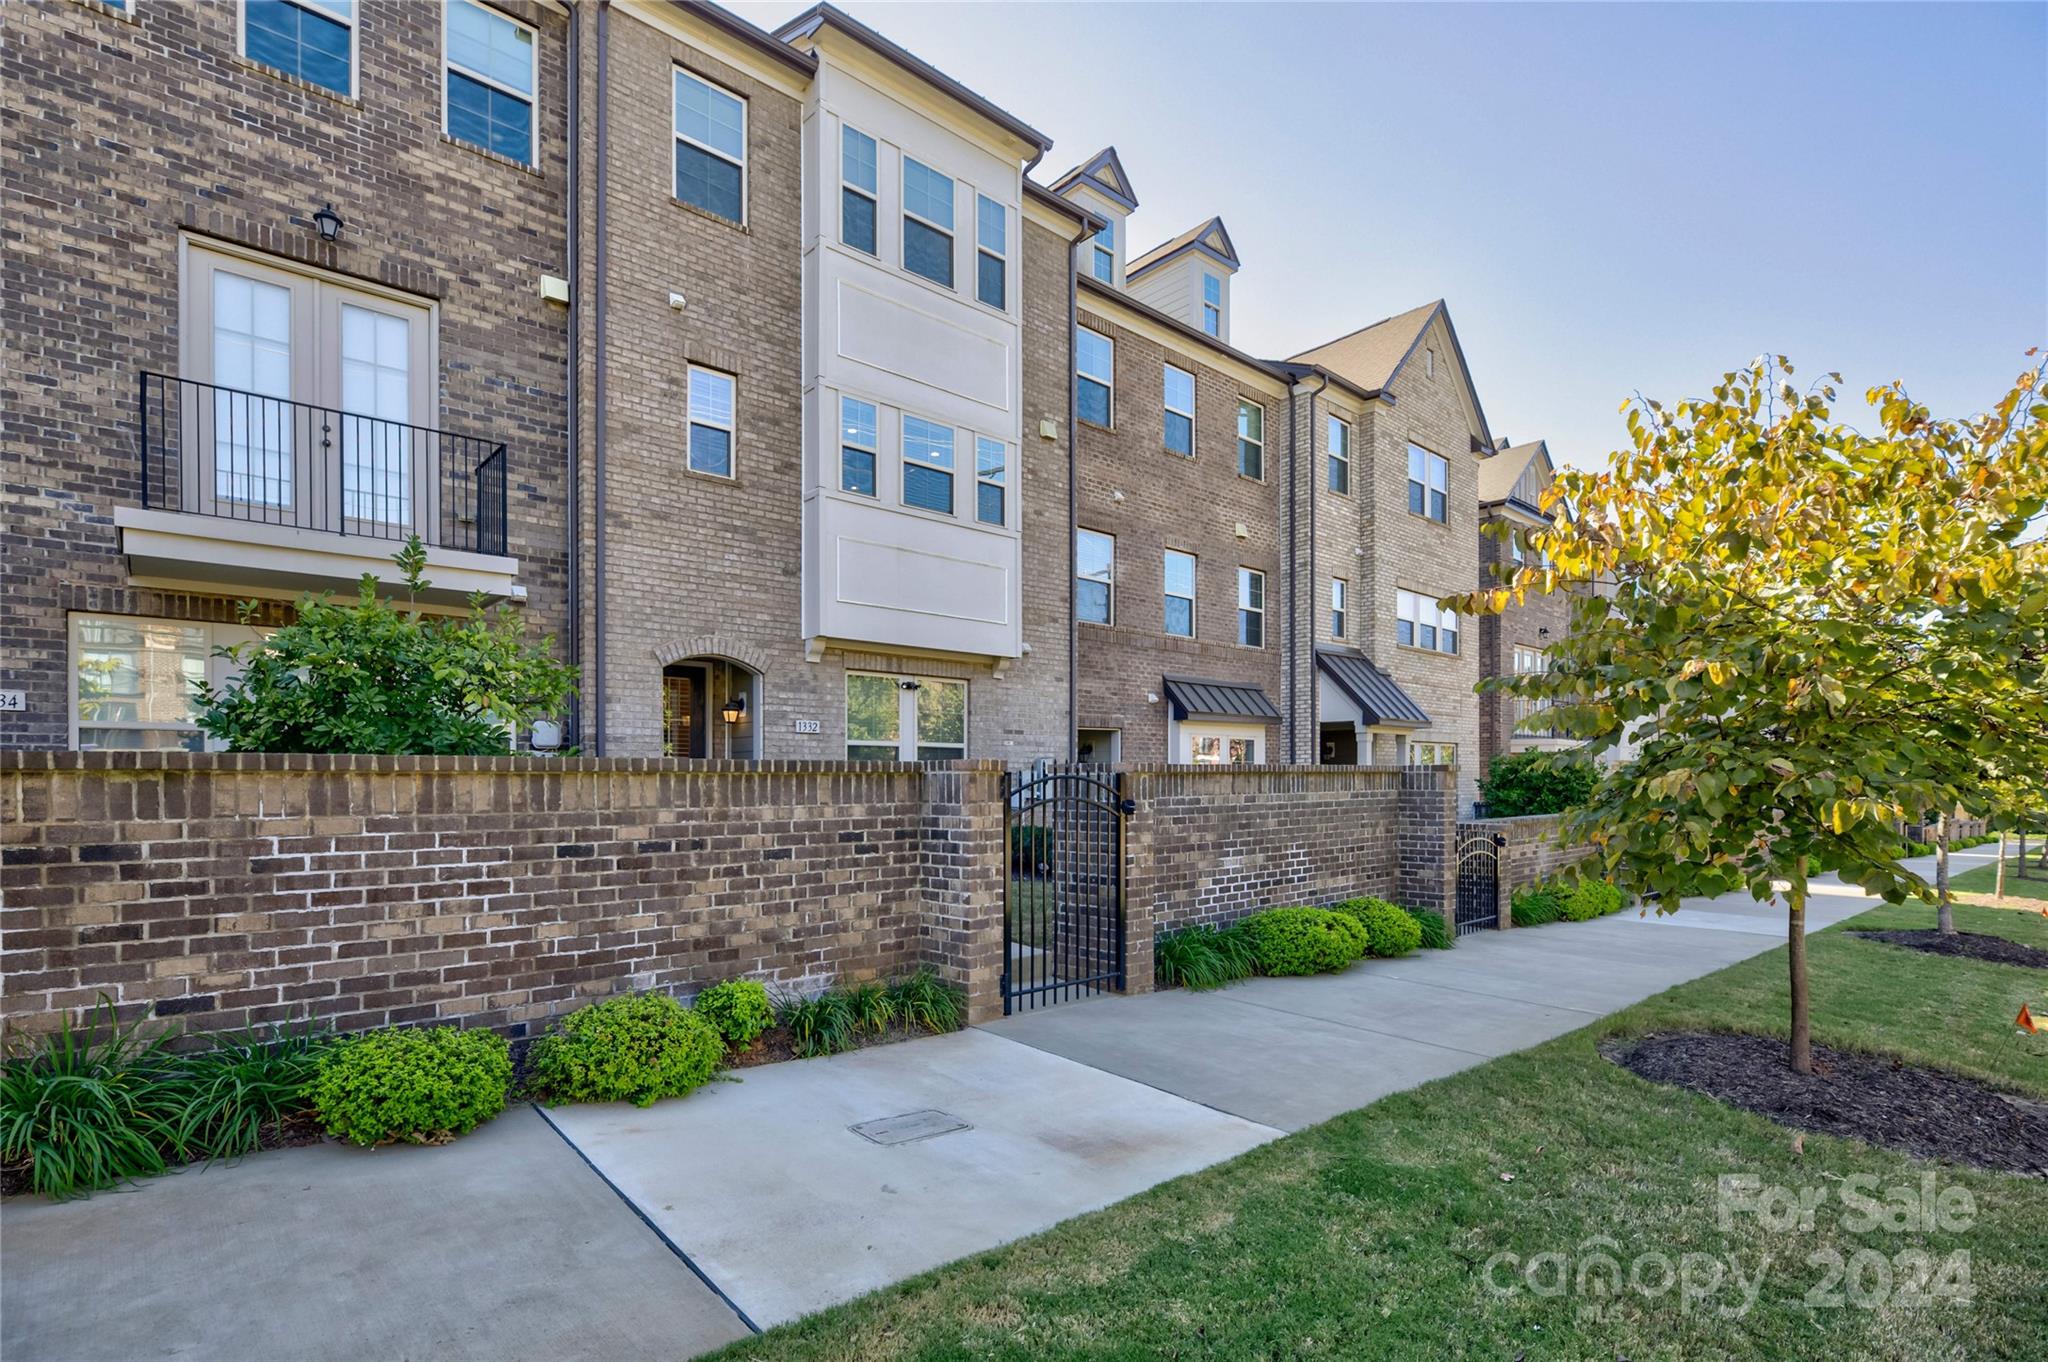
[1063,896]
[1479,880]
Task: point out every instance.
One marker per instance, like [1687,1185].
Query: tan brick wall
[1498,635]
[1533,852]
[121,133]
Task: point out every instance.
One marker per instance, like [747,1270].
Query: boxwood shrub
[638,1048]
[1590,899]
[422,1086]
[1389,931]
[737,1009]
[1303,940]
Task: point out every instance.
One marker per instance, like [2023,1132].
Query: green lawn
[1984,878]
[1368,1237]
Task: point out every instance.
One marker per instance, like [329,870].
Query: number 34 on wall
[11,702]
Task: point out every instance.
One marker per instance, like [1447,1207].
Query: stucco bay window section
[1214,722]
[711,147]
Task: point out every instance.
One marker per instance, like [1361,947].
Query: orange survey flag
[2025,1021]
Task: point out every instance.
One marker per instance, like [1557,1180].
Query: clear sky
[1612,198]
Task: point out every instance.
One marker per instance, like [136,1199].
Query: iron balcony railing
[215,451]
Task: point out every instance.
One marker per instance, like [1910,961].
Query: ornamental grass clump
[412,1087]
[1435,935]
[249,1080]
[638,1048]
[737,1009]
[921,999]
[1303,940]
[88,1107]
[1204,957]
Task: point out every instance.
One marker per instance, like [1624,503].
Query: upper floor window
[1094,576]
[927,465]
[857,446]
[992,252]
[1251,440]
[1180,593]
[1180,412]
[1421,624]
[711,422]
[1515,548]
[1429,362]
[991,480]
[1340,456]
[1429,484]
[1095,370]
[1103,252]
[1339,589]
[857,189]
[711,148]
[927,222]
[1251,607]
[311,39]
[492,63]
[1212,305]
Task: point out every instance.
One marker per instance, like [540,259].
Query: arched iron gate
[1063,897]
[1479,881]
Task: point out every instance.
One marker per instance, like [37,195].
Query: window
[1180,594]
[1212,305]
[1429,361]
[711,148]
[1338,588]
[1095,364]
[1094,576]
[1180,412]
[311,39]
[1515,547]
[1251,440]
[992,256]
[1103,250]
[857,446]
[1221,745]
[711,422]
[907,718]
[927,222]
[927,465]
[1432,753]
[857,189]
[991,475]
[133,678]
[490,81]
[1340,456]
[1429,484]
[1421,624]
[1251,607]
[1529,662]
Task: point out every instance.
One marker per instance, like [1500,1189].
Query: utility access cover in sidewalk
[909,1127]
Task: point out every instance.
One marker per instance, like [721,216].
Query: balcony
[241,490]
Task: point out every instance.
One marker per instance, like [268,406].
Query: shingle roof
[1371,355]
[1498,473]
[1210,236]
[1196,699]
[1378,696]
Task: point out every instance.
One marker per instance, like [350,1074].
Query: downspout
[598,342]
[1315,731]
[1293,596]
[574,366]
[1073,513]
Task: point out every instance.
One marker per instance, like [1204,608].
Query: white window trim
[1432,463]
[676,126]
[731,427]
[355,62]
[1244,609]
[448,63]
[1080,530]
[845,443]
[1425,604]
[1214,309]
[1003,255]
[1340,602]
[217,671]
[1191,732]
[1193,596]
[1167,404]
[1335,424]
[1002,481]
[873,196]
[1438,753]
[1109,383]
[952,235]
[904,463]
[1099,251]
[907,737]
[1243,439]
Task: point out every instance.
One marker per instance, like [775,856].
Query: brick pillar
[962,868]
[1140,866]
[1428,812]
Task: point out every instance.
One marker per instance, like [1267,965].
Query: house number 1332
[808,726]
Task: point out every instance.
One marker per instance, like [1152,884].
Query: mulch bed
[1922,1112]
[1973,945]
[773,1046]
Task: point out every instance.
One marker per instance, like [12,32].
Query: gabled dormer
[1100,185]
[1188,278]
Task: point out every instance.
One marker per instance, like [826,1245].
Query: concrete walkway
[613,1232]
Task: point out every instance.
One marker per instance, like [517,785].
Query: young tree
[1805,630]
[370,677]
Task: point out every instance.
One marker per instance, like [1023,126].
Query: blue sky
[1612,198]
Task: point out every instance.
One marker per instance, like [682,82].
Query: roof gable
[1210,238]
[1374,356]
[1104,173]
[1517,473]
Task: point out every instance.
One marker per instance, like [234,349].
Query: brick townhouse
[873,445]
[1512,481]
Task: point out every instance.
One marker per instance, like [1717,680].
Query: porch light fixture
[329,222]
[733,709]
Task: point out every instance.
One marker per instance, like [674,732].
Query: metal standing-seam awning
[1191,698]
[1381,701]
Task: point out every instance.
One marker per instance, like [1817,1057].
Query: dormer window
[1212,305]
[1104,247]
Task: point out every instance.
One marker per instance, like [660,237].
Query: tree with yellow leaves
[1802,630]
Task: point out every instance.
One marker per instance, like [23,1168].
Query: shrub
[638,1048]
[737,1009]
[1389,931]
[417,1086]
[1536,782]
[226,1095]
[1303,940]
[1590,899]
[1435,936]
[1536,904]
[1203,957]
[87,1108]
[923,1000]
[820,1025]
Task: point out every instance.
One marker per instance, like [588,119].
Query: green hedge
[638,1048]
[1303,940]
[414,1087]
[737,1009]
[1389,930]
[1527,783]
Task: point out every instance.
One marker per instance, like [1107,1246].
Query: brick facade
[1537,623]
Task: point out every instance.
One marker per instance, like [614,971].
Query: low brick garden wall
[1533,851]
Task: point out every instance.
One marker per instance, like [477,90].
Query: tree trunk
[1998,890]
[1795,941]
[1946,912]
